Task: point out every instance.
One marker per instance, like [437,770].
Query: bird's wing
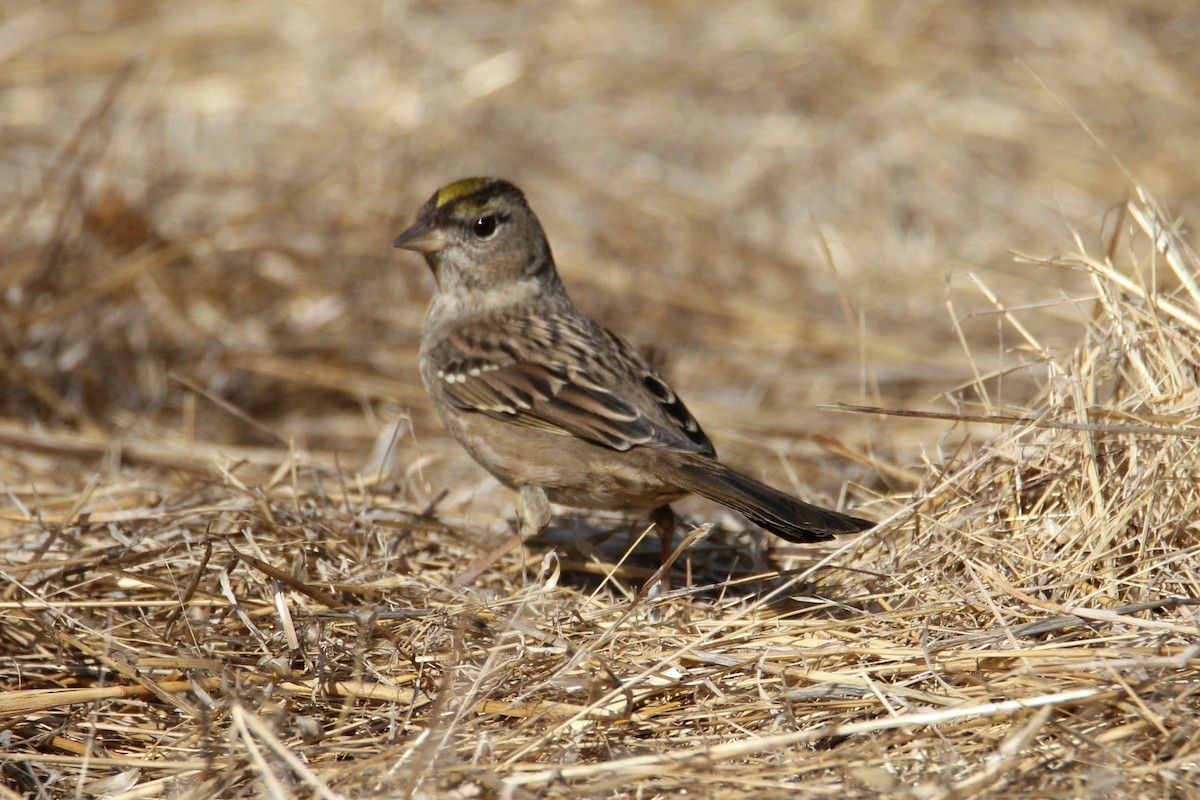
[564,374]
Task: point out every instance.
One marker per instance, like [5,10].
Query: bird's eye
[485,226]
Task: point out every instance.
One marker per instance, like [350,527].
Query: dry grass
[228,566]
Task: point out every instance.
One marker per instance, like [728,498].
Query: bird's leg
[533,515]
[664,520]
[533,511]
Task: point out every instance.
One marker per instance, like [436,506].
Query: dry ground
[231,528]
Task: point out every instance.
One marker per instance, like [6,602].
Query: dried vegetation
[232,537]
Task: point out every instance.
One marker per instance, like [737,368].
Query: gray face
[478,233]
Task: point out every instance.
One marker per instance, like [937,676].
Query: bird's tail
[779,513]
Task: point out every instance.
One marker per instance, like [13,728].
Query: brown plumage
[548,401]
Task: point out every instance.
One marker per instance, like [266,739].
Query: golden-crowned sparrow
[548,401]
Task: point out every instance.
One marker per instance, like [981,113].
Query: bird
[551,403]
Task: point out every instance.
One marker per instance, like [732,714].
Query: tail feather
[779,513]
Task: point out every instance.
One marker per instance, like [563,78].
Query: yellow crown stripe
[459,189]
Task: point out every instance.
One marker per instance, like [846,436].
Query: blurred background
[797,203]
[213,437]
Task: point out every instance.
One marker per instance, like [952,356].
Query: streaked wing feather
[540,397]
[528,386]
[676,411]
[602,416]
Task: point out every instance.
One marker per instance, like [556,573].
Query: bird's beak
[422,237]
